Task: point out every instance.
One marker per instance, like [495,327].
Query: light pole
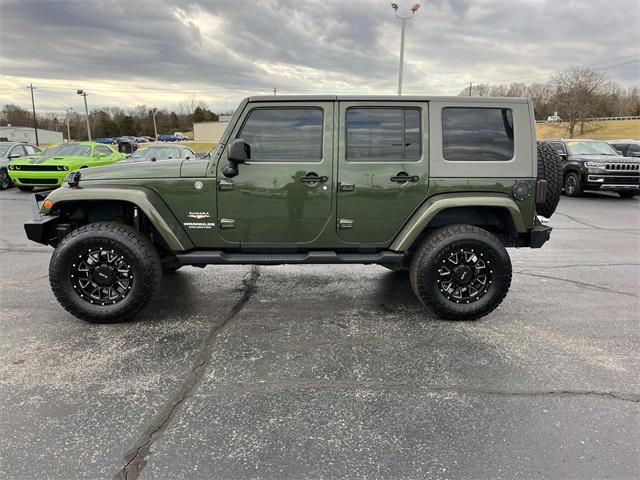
[155,127]
[86,110]
[68,129]
[414,9]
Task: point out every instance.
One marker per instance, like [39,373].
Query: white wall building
[210,132]
[27,134]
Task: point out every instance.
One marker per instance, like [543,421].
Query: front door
[283,194]
[382,168]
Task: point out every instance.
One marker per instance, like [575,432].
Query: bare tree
[576,92]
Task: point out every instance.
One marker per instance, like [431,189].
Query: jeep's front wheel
[461,272]
[104,272]
[572,185]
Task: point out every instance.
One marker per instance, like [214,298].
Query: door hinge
[225,185]
[347,187]
[227,223]
[345,223]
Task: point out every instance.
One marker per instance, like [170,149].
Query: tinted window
[383,134]
[477,134]
[284,134]
[633,148]
[558,147]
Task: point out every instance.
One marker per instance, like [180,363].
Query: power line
[547,74]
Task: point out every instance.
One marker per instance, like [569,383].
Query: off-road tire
[25,189]
[437,248]
[5,179]
[136,250]
[572,184]
[549,169]
[628,193]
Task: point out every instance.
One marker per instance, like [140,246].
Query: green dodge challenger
[51,167]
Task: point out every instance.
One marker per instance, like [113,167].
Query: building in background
[210,132]
[28,134]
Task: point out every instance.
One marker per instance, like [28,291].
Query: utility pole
[403,20]
[155,127]
[86,111]
[275,91]
[35,121]
[470,85]
[68,129]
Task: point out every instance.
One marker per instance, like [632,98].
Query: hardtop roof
[383,98]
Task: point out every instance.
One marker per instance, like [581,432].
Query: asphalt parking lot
[331,371]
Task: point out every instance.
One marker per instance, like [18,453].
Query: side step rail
[324,257]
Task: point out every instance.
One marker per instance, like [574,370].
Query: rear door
[282,195]
[382,168]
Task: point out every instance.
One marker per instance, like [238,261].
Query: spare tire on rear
[549,169]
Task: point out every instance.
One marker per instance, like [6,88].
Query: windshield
[70,150]
[591,148]
[160,153]
[3,150]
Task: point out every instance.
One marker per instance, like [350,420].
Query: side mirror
[619,152]
[153,159]
[238,152]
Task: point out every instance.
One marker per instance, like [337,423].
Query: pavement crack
[401,386]
[578,283]
[135,458]
[577,220]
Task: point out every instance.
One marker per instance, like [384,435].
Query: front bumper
[40,229]
[606,181]
[48,178]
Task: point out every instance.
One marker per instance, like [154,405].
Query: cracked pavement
[331,371]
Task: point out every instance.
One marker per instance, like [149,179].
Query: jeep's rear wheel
[104,272]
[549,169]
[572,185]
[461,272]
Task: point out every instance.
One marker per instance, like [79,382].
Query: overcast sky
[166,52]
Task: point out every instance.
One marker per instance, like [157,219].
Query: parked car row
[28,167]
[128,138]
[598,165]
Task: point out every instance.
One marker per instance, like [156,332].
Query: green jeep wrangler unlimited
[434,186]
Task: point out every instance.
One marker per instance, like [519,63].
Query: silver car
[10,151]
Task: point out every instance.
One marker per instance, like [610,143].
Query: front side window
[383,134]
[284,134]
[18,150]
[472,134]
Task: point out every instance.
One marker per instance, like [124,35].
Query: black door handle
[312,177]
[404,177]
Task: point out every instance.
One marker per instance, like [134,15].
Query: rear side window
[104,150]
[471,134]
[383,134]
[284,134]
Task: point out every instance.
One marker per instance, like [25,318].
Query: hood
[133,170]
[53,160]
[605,158]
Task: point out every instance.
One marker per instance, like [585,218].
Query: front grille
[38,181]
[622,166]
[35,168]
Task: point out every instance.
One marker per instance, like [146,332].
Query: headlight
[595,165]
[10,167]
[62,168]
